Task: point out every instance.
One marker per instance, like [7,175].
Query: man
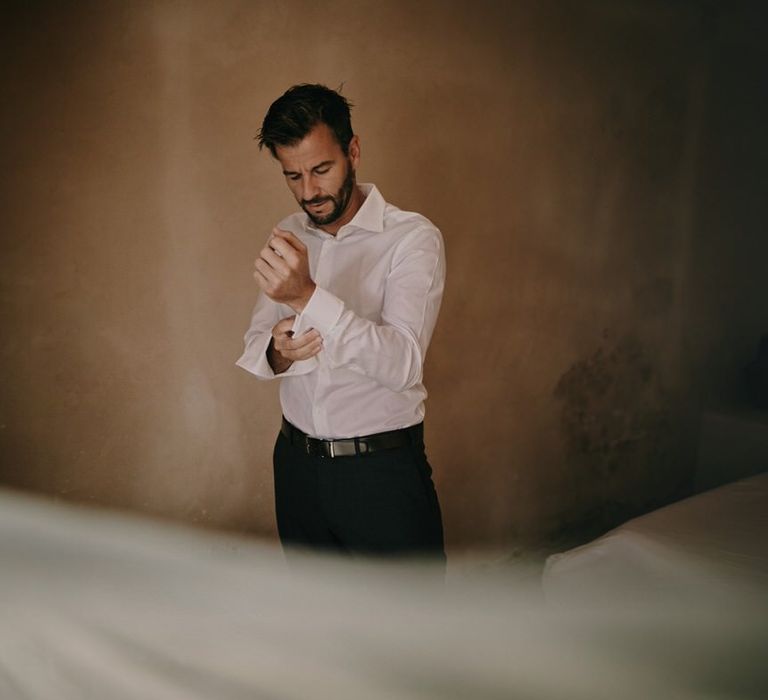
[351,289]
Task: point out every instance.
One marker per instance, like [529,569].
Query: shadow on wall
[618,425]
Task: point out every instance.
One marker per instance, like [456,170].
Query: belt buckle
[342,448]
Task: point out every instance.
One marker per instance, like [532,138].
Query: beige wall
[559,147]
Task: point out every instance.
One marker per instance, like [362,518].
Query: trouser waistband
[350,447]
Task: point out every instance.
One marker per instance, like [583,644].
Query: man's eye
[294,177]
[322,172]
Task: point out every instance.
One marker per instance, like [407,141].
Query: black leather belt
[349,447]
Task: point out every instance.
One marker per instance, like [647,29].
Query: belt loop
[357,445]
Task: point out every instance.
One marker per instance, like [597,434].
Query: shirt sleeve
[392,351]
[266,313]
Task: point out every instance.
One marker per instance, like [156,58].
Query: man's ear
[354,150]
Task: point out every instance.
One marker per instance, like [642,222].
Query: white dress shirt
[379,284]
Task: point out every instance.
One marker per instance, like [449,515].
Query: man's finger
[310,350]
[285,342]
[275,261]
[293,342]
[266,272]
[262,281]
[305,352]
[305,338]
[290,238]
[284,326]
[283,249]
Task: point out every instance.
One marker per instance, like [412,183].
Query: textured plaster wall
[601,256]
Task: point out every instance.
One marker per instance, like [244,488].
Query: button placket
[319,415]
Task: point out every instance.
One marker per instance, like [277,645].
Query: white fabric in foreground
[105,606]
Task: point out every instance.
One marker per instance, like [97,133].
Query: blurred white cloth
[708,542]
[100,605]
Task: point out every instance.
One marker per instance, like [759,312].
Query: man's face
[318,173]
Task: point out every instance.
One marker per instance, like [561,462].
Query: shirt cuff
[254,360]
[322,313]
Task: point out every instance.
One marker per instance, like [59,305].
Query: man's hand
[282,270]
[284,349]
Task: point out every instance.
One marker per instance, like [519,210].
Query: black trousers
[382,503]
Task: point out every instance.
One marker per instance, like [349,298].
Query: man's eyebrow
[314,167]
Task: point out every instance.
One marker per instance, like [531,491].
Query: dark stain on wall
[618,428]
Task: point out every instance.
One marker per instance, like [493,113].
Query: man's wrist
[277,362]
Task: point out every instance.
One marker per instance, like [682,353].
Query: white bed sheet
[709,542]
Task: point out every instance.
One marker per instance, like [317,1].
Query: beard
[340,200]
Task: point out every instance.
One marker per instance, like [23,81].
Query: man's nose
[308,188]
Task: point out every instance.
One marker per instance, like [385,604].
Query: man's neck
[355,202]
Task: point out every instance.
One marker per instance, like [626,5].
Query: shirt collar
[369,217]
